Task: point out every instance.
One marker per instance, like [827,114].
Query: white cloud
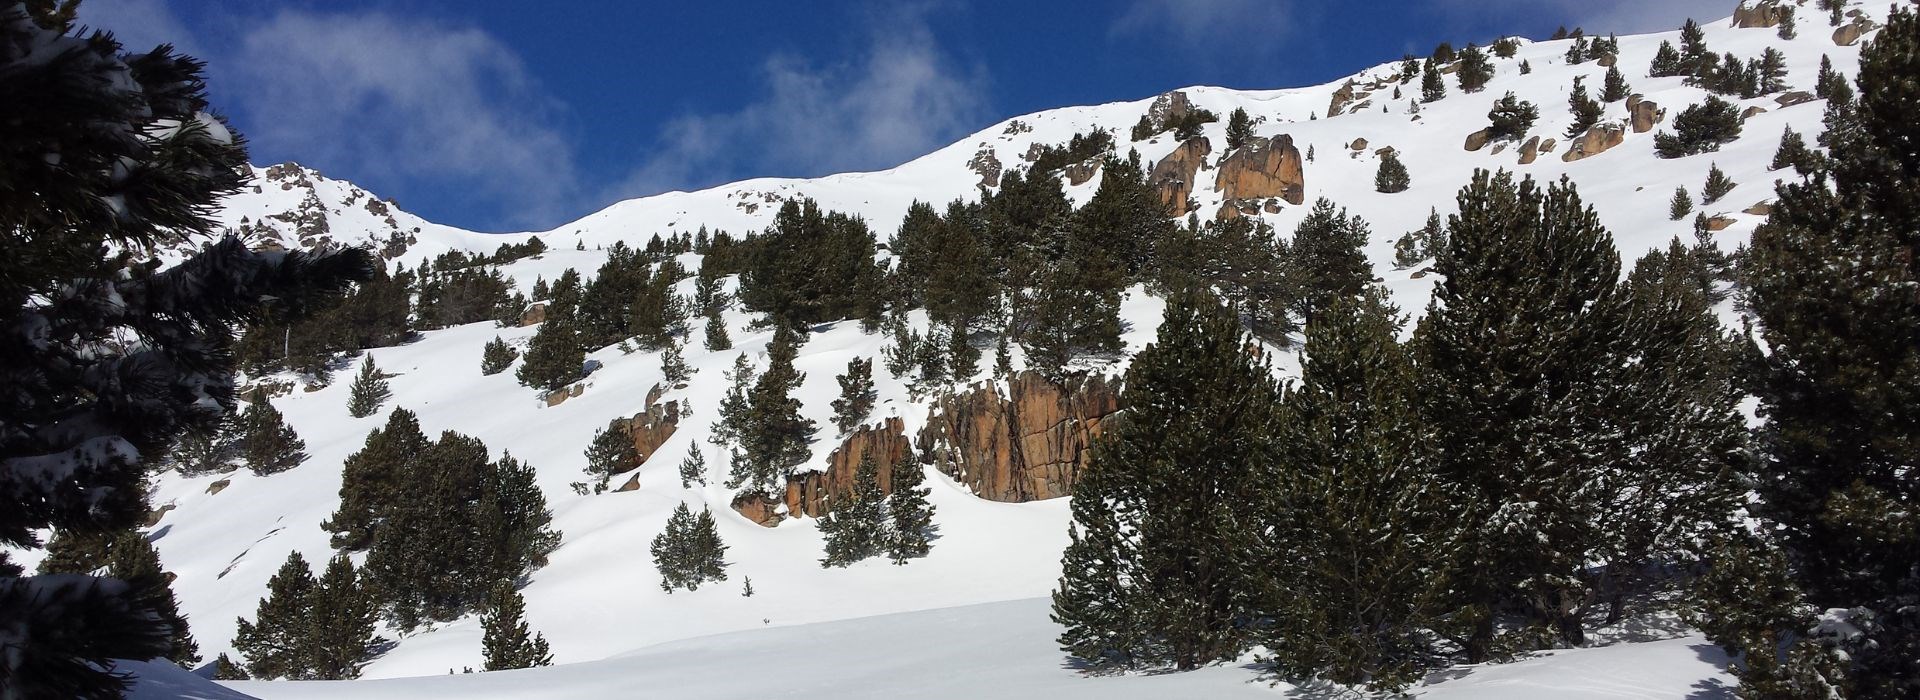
[1615,16]
[1205,26]
[382,95]
[900,99]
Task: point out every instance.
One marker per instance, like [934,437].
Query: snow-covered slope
[599,597]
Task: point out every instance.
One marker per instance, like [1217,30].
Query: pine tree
[1700,128]
[128,556]
[1505,47]
[689,551]
[1239,128]
[1406,252]
[1526,67]
[340,623]
[224,669]
[1362,529]
[1666,62]
[1793,152]
[1772,71]
[1786,28]
[554,358]
[1326,260]
[855,526]
[856,394]
[1157,568]
[1586,112]
[506,642]
[1432,86]
[611,452]
[1392,176]
[275,642]
[1825,80]
[673,366]
[693,468]
[372,479]
[709,553]
[910,516]
[1830,279]
[497,357]
[1474,70]
[512,521]
[1717,186]
[716,330]
[369,390]
[731,426]
[1510,118]
[267,444]
[746,587]
[812,266]
[207,450]
[1681,205]
[1615,88]
[1577,52]
[1433,235]
[772,434]
[1695,59]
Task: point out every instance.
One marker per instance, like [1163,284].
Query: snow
[599,603]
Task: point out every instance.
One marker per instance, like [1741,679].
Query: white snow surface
[599,603]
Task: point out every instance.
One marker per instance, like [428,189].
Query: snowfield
[970,620]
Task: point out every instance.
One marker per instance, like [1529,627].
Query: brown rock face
[809,494]
[1643,114]
[758,508]
[1597,140]
[1760,208]
[1529,150]
[1027,445]
[1849,34]
[1719,223]
[1547,146]
[1341,98]
[1359,144]
[1750,111]
[632,484]
[1079,173]
[651,427]
[560,395]
[1763,13]
[1477,140]
[986,165]
[536,312]
[1173,176]
[1608,60]
[1264,168]
[1168,106]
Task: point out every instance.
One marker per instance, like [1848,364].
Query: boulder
[1359,144]
[1607,60]
[1547,145]
[810,493]
[1750,111]
[1497,148]
[1477,140]
[1264,168]
[1719,223]
[651,427]
[1849,34]
[560,395]
[1272,206]
[1752,14]
[1643,113]
[536,312]
[1173,176]
[1079,173]
[763,511]
[986,165]
[1760,209]
[1597,139]
[1530,150]
[218,486]
[1167,107]
[633,484]
[1341,98]
[1793,98]
[1383,151]
[1027,444]
[154,516]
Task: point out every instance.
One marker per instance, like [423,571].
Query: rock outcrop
[1751,111]
[1761,208]
[1477,140]
[651,427]
[1173,176]
[1719,223]
[1530,150]
[1793,98]
[1849,34]
[1264,168]
[1643,114]
[1597,139]
[1079,173]
[1359,144]
[536,312]
[1028,444]
[560,395]
[986,165]
[811,494]
[1167,107]
[1760,13]
[1341,98]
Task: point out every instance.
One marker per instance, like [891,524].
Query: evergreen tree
[812,266]
[1695,59]
[909,532]
[1681,205]
[716,330]
[224,669]
[731,427]
[1786,28]
[267,444]
[673,366]
[1825,80]
[1700,128]
[1474,71]
[856,524]
[275,643]
[1432,86]
[1392,176]
[497,356]
[856,394]
[1505,47]
[369,390]
[1577,52]
[611,452]
[1772,71]
[1326,261]
[512,521]
[746,587]
[1406,252]
[709,553]
[207,450]
[689,552]
[1717,186]
[1586,112]
[1793,152]
[1156,568]
[554,358]
[773,436]
[1433,236]
[1357,566]
[1444,53]
[340,623]
[693,468]
[1510,118]
[1831,278]
[1526,67]
[128,556]
[374,478]
[1239,128]
[1666,62]
[506,642]
[1615,88]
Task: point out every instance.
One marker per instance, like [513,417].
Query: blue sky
[500,116]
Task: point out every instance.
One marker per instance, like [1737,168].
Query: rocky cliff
[1024,444]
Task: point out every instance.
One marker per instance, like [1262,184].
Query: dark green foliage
[611,452]
[267,444]
[1793,152]
[372,314]
[554,358]
[456,290]
[657,317]
[1187,125]
[1699,129]
[369,390]
[497,356]
[1474,71]
[1505,47]
[1786,27]
[1247,263]
[1119,224]
[1510,118]
[1586,111]
[340,622]
[1695,59]
[1771,71]
[274,643]
[506,642]
[1156,568]
[689,551]
[856,524]
[129,557]
[1080,148]
[1526,67]
[1443,53]
[1831,85]
[693,468]
[1681,205]
[909,515]
[1392,176]
[772,436]
[1142,130]
[1749,600]
[1433,235]
[812,266]
[746,587]
[207,450]
[373,479]
[1831,278]
[716,334]
[1717,186]
[1239,128]
[673,366]
[856,394]
[224,669]
[1326,262]
[1406,252]
[1615,88]
[1432,86]
[1666,62]
[709,293]
[1577,52]
[1358,553]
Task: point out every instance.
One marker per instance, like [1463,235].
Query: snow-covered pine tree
[1239,128]
[128,556]
[1326,261]
[1666,62]
[856,394]
[1717,185]
[730,428]
[373,478]
[1700,128]
[267,444]
[1681,205]
[1586,112]
[340,621]
[497,356]
[1475,70]
[1406,252]
[1793,152]
[773,436]
[1432,86]
[1615,87]
[611,452]
[689,551]
[1831,278]
[1356,566]
[207,450]
[693,467]
[1392,175]
[709,552]
[910,516]
[554,357]
[1158,567]
[506,642]
[512,522]
[369,390]
[673,366]
[716,333]
[275,642]
[855,526]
